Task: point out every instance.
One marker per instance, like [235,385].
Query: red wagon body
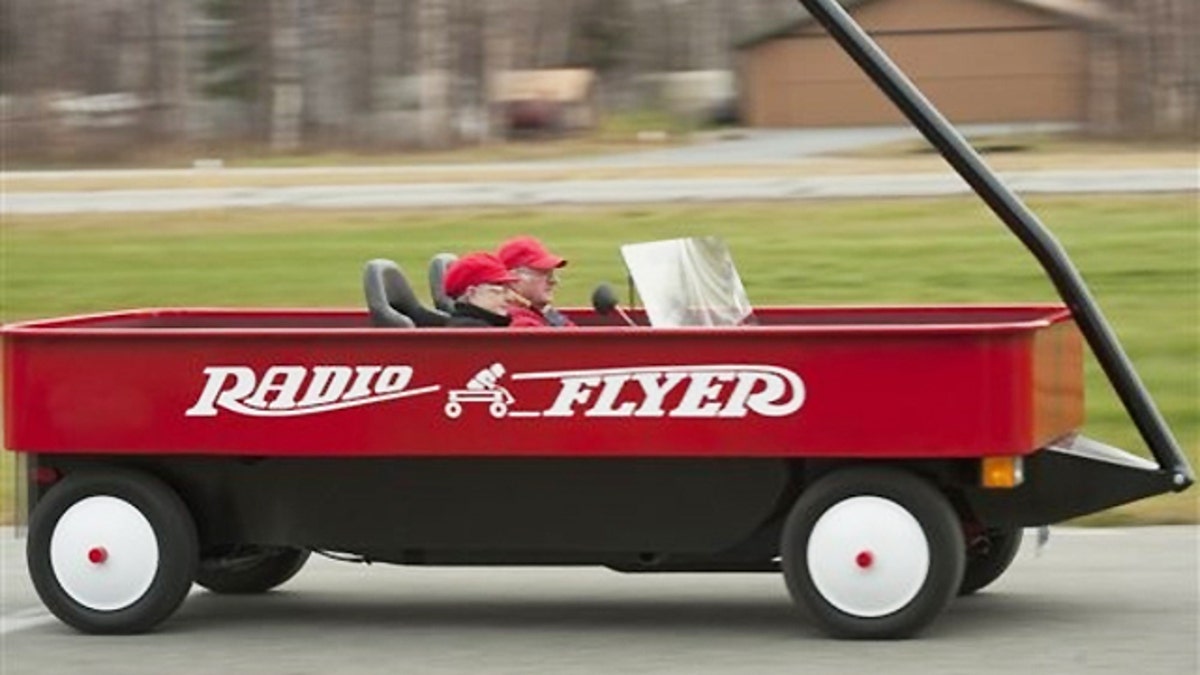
[885,459]
[239,441]
[808,382]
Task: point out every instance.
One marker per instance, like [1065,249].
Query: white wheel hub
[104,553]
[868,556]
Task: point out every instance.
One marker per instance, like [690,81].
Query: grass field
[615,133]
[1140,256]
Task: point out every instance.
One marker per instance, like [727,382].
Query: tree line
[411,72]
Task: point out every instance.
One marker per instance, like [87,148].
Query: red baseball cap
[474,269]
[526,251]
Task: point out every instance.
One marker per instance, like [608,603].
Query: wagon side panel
[772,392]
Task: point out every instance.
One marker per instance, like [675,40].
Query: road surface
[1093,601]
[582,192]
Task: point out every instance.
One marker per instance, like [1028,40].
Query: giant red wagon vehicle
[885,459]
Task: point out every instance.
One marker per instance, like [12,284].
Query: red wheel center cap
[864,559]
[97,555]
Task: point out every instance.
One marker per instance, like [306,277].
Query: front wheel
[872,553]
[989,556]
[250,569]
[111,551]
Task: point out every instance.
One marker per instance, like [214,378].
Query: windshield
[687,282]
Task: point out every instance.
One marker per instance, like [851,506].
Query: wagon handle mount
[1022,223]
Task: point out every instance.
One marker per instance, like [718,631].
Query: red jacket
[528,317]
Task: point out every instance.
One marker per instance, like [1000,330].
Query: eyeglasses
[548,275]
[492,288]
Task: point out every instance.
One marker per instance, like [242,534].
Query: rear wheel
[872,553]
[111,551]
[989,556]
[250,569]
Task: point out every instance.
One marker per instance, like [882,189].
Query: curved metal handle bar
[1022,222]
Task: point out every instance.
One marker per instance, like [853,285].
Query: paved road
[751,146]
[587,192]
[761,147]
[1094,601]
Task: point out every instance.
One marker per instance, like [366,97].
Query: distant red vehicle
[884,459]
[527,118]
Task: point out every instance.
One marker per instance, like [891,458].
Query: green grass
[614,133]
[1140,256]
[626,126]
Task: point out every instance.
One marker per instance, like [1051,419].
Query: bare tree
[433,54]
[362,51]
[498,51]
[167,82]
[286,86]
[1155,68]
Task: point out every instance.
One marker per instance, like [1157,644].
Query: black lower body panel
[637,511]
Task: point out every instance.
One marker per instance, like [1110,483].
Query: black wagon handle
[1022,223]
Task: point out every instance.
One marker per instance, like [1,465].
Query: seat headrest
[391,300]
[437,273]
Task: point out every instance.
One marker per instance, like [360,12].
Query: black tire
[250,569]
[84,602]
[934,582]
[989,557]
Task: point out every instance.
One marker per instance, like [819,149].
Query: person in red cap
[536,270]
[479,284]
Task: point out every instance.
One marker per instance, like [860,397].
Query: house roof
[563,85]
[1087,11]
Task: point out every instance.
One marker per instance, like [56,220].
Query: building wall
[977,60]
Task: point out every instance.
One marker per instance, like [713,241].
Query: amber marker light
[1003,472]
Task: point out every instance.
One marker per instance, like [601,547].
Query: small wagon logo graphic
[483,387]
[700,391]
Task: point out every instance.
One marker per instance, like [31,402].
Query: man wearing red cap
[536,270]
[479,284]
